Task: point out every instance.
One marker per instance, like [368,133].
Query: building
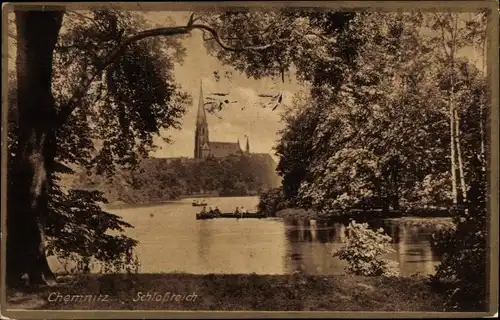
[203,147]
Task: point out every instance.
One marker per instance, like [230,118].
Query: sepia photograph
[271,159]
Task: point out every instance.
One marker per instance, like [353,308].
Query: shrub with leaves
[364,249]
[272,201]
[464,262]
[81,234]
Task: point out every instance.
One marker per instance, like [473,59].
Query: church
[203,147]
[262,165]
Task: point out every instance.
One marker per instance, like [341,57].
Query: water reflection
[411,243]
[204,237]
[325,231]
[172,240]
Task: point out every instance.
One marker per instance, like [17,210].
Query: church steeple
[247,149]
[201,142]
[201,116]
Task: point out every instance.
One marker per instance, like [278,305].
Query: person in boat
[217,211]
[204,210]
[237,212]
[244,211]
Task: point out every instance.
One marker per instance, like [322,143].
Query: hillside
[163,179]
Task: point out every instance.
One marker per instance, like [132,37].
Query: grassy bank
[234,292]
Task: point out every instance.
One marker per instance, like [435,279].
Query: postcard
[250,159]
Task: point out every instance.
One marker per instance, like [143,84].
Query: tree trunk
[463,186]
[481,107]
[452,156]
[37,33]
[454,35]
[453,132]
[394,177]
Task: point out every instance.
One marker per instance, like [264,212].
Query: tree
[272,201]
[42,143]
[453,32]
[76,226]
[374,119]
[35,151]
[378,136]
[476,33]
[42,120]
[294,148]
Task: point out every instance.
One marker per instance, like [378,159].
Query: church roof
[223,149]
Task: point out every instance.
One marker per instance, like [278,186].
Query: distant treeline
[161,179]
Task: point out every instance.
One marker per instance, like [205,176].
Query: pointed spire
[201,117]
[248,146]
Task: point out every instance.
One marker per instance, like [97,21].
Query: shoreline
[294,213]
[120,205]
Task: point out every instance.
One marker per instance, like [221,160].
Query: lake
[172,240]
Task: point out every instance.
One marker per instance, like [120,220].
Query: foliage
[156,180]
[271,201]
[130,102]
[77,228]
[79,232]
[363,250]
[295,145]
[464,252]
[296,38]
[110,128]
[374,155]
[339,190]
[379,136]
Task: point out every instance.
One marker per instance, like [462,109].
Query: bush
[80,234]
[464,263]
[272,201]
[363,250]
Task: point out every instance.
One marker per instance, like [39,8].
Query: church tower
[201,142]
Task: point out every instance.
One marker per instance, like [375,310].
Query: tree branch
[80,92]
[443,38]
[220,42]
[84,17]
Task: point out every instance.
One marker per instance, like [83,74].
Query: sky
[232,123]
[260,124]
